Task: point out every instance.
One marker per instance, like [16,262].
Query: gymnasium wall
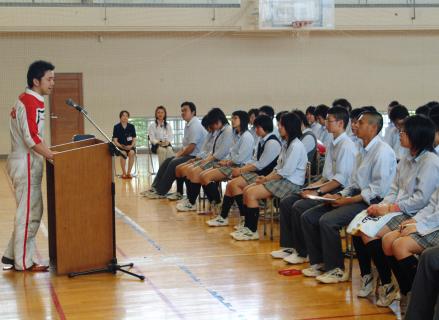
[139,70]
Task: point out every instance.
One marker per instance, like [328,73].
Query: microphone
[73,104]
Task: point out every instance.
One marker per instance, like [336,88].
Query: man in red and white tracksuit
[25,166]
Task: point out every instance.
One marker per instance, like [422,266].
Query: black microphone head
[70,102]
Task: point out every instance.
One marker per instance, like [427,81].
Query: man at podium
[25,166]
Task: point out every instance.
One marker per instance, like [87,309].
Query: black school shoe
[6,260]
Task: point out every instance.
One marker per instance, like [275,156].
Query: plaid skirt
[394,223]
[426,241]
[227,171]
[249,177]
[281,188]
[205,166]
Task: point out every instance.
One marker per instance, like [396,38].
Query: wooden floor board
[192,272]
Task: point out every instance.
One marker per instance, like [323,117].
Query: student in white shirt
[413,187]
[340,161]
[286,178]
[323,136]
[253,114]
[390,125]
[397,116]
[313,124]
[161,136]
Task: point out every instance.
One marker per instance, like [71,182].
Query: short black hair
[215,115]
[292,125]
[268,110]
[302,117]
[310,110]
[355,113]
[321,111]
[434,116]
[421,132]
[423,110]
[253,111]
[398,112]
[204,123]
[37,70]
[265,122]
[340,113]
[191,106]
[122,112]
[432,104]
[280,114]
[369,108]
[243,120]
[344,103]
[394,103]
[374,117]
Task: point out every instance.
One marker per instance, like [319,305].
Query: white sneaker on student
[218,221]
[296,259]
[246,234]
[333,276]
[154,195]
[146,192]
[367,286]
[187,206]
[386,294]
[314,270]
[174,196]
[283,253]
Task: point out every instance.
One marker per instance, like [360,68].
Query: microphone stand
[112,266]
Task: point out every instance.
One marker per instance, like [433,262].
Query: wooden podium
[80,206]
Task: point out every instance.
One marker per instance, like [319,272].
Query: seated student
[313,124]
[337,171]
[287,177]
[269,111]
[193,138]
[124,137]
[387,133]
[253,114]
[371,179]
[323,136]
[308,138]
[182,170]
[412,187]
[160,134]
[397,116]
[425,289]
[217,121]
[344,103]
[263,162]
[240,154]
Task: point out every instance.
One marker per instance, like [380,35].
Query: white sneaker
[174,196]
[154,195]
[296,259]
[240,224]
[282,253]
[387,294]
[367,286]
[314,270]
[333,276]
[144,193]
[218,221]
[184,200]
[187,206]
[246,234]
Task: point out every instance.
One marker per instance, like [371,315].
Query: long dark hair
[164,119]
[292,124]
[421,132]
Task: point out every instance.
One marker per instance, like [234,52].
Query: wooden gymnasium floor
[192,272]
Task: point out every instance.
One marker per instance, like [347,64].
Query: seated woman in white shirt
[286,178]
[161,135]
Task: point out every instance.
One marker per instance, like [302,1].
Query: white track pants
[25,171]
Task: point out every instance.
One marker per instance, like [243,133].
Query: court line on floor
[348,316]
[140,231]
[53,294]
[154,287]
